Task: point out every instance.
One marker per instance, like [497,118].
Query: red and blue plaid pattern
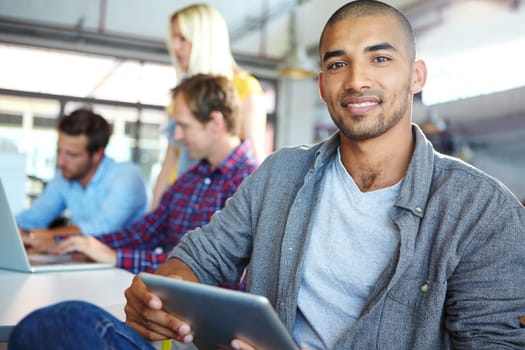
[188,203]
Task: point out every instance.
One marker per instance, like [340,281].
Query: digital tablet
[219,315]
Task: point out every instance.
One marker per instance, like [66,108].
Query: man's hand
[145,315]
[238,344]
[38,243]
[241,345]
[89,246]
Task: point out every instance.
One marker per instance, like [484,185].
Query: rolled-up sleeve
[45,208]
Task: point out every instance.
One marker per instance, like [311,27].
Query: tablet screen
[219,315]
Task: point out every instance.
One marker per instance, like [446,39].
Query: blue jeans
[74,325]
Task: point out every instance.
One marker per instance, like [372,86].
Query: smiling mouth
[360,105]
[361,108]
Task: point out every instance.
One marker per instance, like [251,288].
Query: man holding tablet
[370,239]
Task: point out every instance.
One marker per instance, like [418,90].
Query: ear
[216,120]
[98,155]
[320,85]
[419,76]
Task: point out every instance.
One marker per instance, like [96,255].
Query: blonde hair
[207,31]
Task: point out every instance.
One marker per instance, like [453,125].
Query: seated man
[368,240]
[100,194]
[205,110]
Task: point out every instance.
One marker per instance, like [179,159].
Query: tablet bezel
[217,315]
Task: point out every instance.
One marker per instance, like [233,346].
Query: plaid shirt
[188,203]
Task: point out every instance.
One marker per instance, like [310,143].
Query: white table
[21,293]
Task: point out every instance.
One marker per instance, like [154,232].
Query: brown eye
[336,65]
[381,59]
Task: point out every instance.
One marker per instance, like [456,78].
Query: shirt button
[425,287]
[419,210]
[207,181]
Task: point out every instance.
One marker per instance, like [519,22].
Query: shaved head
[364,8]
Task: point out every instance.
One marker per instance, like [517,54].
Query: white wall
[297,101]
[506,165]
[13,175]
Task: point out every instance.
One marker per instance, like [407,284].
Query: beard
[79,173]
[359,129]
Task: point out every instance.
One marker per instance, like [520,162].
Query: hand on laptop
[36,243]
[89,246]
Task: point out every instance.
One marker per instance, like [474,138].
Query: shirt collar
[418,178]
[101,170]
[232,161]
[327,151]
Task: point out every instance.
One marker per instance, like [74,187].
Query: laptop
[13,255]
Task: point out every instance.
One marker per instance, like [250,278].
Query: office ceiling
[260,27]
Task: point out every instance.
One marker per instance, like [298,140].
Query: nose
[61,159]
[178,134]
[176,43]
[357,78]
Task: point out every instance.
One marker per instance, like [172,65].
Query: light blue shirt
[115,197]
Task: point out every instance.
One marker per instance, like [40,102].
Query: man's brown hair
[84,121]
[205,93]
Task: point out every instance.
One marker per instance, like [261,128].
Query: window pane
[28,126]
[82,75]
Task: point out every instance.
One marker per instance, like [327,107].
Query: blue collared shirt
[114,198]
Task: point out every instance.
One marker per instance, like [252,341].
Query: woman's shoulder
[246,84]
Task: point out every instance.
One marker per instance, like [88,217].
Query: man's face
[197,137]
[367,76]
[73,159]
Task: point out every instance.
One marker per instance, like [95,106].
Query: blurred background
[58,55]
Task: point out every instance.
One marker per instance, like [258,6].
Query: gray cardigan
[458,280]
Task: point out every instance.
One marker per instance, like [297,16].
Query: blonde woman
[199,42]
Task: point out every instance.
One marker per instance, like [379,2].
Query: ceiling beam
[85,41]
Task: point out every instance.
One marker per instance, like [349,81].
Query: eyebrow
[330,54]
[378,47]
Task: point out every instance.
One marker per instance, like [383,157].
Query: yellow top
[246,84]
